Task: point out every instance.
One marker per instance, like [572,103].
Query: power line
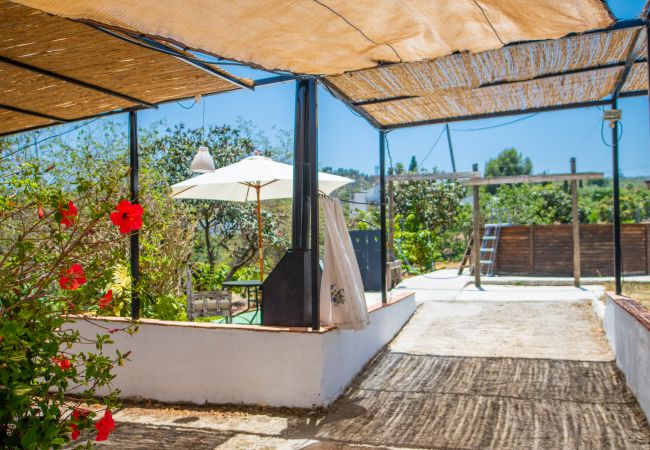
[432,147]
[497,125]
[51,137]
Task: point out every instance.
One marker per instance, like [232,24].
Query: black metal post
[382,213]
[135,192]
[617,206]
[647,35]
[451,148]
[312,159]
[300,214]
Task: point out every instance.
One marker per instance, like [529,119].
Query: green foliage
[595,202]
[508,162]
[226,228]
[431,221]
[527,204]
[205,278]
[36,346]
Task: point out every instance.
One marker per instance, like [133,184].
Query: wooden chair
[207,303]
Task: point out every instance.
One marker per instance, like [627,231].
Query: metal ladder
[489,245]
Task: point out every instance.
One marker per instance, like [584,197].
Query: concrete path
[502,368]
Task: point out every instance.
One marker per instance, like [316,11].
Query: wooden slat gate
[546,250]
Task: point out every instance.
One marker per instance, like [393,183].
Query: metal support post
[617,206]
[311,140]
[134,174]
[477,233]
[382,214]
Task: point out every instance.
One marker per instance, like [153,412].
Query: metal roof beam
[67,79]
[33,113]
[274,80]
[516,112]
[632,55]
[156,46]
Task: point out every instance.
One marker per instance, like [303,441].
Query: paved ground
[503,367]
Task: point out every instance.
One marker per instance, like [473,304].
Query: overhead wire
[497,125]
[40,141]
[432,147]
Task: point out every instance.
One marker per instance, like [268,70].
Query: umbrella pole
[259,232]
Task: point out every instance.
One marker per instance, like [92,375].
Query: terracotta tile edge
[639,312]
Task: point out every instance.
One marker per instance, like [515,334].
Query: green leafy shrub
[54,270]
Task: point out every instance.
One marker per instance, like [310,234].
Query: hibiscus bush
[59,245]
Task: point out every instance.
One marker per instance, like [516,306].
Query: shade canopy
[325,37]
[518,78]
[54,70]
[236,182]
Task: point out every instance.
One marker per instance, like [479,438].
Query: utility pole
[451,149]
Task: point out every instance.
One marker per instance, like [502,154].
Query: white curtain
[342,301]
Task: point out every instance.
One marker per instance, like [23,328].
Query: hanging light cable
[203,161]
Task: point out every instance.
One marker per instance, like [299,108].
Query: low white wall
[630,341]
[207,363]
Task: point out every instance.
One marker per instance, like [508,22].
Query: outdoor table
[249,285]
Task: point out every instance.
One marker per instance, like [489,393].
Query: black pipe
[382,214]
[617,206]
[312,160]
[134,174]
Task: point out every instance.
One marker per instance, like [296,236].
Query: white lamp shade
[203,162]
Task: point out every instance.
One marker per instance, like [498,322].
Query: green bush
[55,268]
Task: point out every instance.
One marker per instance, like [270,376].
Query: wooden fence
[547,250]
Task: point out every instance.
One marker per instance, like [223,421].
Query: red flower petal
[41,213]
[62,362]
[127,216]
[75,431]
[68,214]
[104,426]
[73,278]
[105,301]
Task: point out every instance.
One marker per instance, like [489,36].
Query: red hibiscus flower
[75,431]
[105,301]
[73,278]
[77,415]
[104,426]
[41,213]
[68,214]
[127,216]
[62,362]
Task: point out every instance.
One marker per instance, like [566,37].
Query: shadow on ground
[425,401]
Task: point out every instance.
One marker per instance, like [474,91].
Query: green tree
[413,165]
[227,226]
[431,221]
[507,163]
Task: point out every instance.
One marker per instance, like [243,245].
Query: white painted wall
[630,342]
[205,363]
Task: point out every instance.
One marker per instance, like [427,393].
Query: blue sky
[346,140]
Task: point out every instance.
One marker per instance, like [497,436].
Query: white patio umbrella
[253,178]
